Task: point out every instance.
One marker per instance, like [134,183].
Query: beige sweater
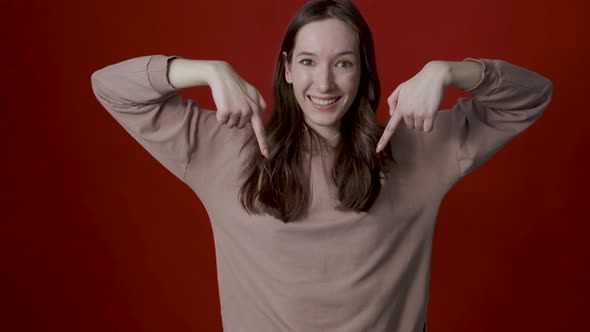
[333,270]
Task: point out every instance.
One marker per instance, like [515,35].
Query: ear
[288,76]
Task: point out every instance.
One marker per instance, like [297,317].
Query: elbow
[94,78]
[547,90]
[546,93]
[95,85]
[103,95]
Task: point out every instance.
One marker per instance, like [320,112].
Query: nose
[324,78]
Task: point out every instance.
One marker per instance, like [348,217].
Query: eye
[306,62]
[344,64]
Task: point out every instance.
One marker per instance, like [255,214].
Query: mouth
[323,103]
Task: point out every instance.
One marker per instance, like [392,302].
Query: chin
[323,120]
[322,123]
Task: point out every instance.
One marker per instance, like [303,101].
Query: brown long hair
[280,184]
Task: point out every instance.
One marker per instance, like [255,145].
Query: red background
[95,235]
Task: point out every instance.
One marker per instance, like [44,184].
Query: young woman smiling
[317,226]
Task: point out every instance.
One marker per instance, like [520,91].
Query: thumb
[392,101]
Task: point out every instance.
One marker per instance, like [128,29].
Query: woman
[316,226]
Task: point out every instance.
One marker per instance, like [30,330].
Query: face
[325,72]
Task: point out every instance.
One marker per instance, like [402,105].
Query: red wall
[95,235]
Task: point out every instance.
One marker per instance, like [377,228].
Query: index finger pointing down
[389,130]
[258,127]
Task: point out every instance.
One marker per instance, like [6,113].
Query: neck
[330,139]
[326,133]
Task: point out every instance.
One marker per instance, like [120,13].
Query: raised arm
[140,93]
[237,101]
[137,93]
[507,99]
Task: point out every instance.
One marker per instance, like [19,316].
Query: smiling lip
[323,103]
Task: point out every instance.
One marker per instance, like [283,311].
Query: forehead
[326,37]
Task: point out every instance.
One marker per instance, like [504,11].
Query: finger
[222,118]
[429,123]
[260,107]
[244,118]
[233,120]
[418,122]
[254,97]
[262,102]
[255,108]
[409,120]
[246,115]
[389,130]
[258,127]
[392,100]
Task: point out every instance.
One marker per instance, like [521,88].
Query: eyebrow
[313,54]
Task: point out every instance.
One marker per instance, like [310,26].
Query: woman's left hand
[417,100]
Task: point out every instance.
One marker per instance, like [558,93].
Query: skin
[325,67]
[325,73]
[237,101]
[417,100]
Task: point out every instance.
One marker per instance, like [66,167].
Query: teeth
[323,102]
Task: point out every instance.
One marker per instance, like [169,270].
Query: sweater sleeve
[507,100]
[138,95]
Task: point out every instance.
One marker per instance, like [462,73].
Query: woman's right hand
[238,102]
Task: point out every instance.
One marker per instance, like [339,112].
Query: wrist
[442,69]
[465,75]
[215,71]
[185,73]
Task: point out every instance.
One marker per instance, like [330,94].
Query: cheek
[300,82]
[349,84]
